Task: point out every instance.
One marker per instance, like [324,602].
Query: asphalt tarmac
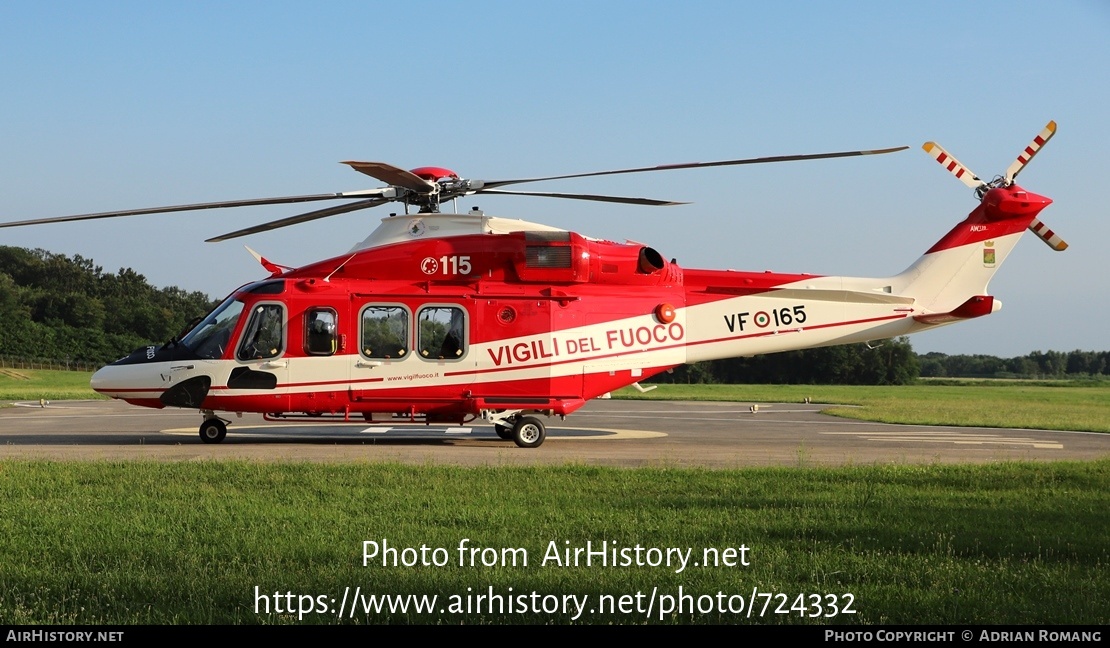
[605,432]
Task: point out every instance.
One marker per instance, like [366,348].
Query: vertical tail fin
[961,264]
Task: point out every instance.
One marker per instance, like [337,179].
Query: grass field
[33,384]
[160,543]
[1066,405]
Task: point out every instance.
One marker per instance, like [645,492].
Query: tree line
[890,362]
[893,362]
[61,308]
[1038,364]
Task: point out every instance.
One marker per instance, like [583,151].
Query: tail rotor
[966,176]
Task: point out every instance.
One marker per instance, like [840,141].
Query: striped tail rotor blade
[953,165]
[1040,140]
[1047,235]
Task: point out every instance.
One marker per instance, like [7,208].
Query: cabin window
[320,337]
[442,333]
[264,335]
[385,332]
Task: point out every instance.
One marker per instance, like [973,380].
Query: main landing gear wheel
[213,430]
[503,431]
[529,432]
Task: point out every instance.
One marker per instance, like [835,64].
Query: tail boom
[743,314]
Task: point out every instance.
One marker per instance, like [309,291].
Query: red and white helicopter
[449,317]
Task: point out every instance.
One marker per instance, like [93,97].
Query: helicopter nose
[114,380]
[136,384]
[104,380]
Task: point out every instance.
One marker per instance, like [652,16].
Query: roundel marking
[762,319]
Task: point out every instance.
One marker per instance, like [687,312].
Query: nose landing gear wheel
[213,431]
[529,432]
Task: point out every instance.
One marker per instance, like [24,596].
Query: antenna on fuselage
[328,278]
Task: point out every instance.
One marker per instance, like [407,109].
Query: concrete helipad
[622,433]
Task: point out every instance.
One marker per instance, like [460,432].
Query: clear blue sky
[115,105]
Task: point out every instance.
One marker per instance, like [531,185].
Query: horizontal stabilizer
[977,306]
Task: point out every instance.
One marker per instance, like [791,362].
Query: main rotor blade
[698,165]
[393,175]
[211,205]
[953,165]
[301,218]
[1040,140]
[612,199]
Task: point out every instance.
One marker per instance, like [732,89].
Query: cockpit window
[264,335]
[210,338]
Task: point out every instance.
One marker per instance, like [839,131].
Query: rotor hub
[434,174]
